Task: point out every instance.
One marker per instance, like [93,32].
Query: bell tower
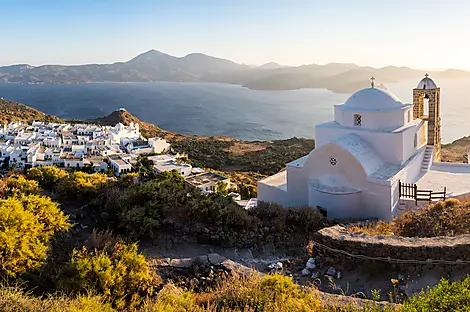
[427,92]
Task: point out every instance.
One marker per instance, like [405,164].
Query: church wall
[297,186]
[338,205]
[373,201]
[371,120]
[269,193]
[409,148]
[388,145]
[376,202]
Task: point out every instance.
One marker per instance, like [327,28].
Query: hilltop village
[106,149]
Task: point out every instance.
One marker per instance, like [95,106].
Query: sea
[223,109]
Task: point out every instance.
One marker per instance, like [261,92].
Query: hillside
[223,153]
[456,151]
[12,111]
[154,66]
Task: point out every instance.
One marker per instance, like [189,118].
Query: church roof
[362,151]
[373,99]
[426,83]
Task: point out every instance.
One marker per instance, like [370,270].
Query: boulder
[182,263]
[331,272]
[215,258]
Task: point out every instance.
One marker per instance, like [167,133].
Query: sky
[424,34]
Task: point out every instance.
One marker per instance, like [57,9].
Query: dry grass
[270,293]
[241,148]
[448,218]
[12,299]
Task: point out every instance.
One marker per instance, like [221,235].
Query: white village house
[75,146]
[364,157]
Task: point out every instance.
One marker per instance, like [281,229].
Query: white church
[378,157]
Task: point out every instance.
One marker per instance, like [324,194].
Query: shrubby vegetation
[448,218]
[446,296]
[222,153]
[111,268]
[108,274]
[47,176]
[27,223]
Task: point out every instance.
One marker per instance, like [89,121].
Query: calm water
[221,109]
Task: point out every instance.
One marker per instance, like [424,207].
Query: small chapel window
[333,161]
[357,120]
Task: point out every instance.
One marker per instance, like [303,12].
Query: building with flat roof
[208,181]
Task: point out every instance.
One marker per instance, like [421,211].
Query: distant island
[154,66]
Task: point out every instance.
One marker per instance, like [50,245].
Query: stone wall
[422,250]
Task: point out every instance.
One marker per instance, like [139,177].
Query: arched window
[357,120]
[416,140]
[409,115]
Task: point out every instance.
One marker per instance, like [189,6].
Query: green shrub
[143,208]
[446,296]
[116,271]
[26,225]
[47,176]
[303,219]
[80,184]
[17,185]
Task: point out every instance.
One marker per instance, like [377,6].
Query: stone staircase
[427,160]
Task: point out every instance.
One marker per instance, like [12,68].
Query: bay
[220,109]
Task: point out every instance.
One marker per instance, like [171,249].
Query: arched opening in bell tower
[426,105]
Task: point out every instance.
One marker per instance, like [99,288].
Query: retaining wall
[431,252]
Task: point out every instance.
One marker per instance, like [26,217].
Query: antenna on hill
[372,84]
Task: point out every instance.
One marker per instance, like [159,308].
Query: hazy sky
[426,34]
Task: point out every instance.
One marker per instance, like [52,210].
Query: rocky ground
[199,266]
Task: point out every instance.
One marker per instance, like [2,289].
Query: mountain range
[153,66]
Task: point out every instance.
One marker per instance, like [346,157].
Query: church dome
[373,99]
[426,83]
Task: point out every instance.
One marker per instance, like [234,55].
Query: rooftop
[278,180]
[204,178]
[455,177]
[373,99]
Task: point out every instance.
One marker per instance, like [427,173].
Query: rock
[232,266]
[311,265]
[311,260]
[201,260]
[194,282]
[275,266]
[182,263]
[338,275]
[305,272]
[246,254]
[331,271]
[315,275]
[215,258]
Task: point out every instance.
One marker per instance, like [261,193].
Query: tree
[222,188]
[26,226]
[145,167]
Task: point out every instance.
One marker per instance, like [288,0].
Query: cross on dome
[372,81]
[426,75]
